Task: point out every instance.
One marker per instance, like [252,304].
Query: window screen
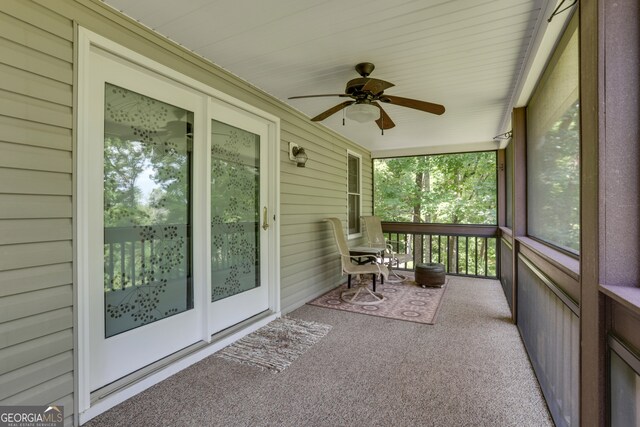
[553,148]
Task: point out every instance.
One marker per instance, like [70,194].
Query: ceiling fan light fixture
[362,112]
[365,92]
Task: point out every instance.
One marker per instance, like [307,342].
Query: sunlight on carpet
[276,345]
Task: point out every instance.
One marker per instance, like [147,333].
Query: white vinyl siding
[309,262]
[36,252]
[36,187]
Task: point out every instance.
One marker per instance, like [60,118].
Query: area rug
[403,301]
[276,345]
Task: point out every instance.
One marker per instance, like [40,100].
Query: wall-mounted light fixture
[297,154]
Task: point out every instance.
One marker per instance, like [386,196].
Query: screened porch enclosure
[512,215]
[441,209]
[552,225]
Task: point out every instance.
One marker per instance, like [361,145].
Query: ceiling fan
[365,92]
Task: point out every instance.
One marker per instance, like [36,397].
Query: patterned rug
[403,301]
[277,344]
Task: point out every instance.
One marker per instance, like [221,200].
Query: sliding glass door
[239,216]
[142,299]
[177,217]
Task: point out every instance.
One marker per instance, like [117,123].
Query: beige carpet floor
[470,369]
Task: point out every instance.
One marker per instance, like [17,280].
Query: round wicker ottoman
[430,274]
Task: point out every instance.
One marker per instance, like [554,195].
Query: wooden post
[519,205]
[502,186]
[610,178]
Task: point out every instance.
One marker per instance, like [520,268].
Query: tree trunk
[482,251]
[426,188]
[452,251]
[417,251]
[417,208]
[452,255]
[418,255]
[423,183]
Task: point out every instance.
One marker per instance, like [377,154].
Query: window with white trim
[354,198]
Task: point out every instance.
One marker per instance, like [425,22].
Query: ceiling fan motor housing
[355,86]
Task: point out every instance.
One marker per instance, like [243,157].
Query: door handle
[265,221]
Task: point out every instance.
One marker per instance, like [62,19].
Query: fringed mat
[403,301]
[276,345]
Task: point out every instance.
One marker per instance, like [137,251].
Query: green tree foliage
[124,162]
[554,182]
[165,171]
[451,188]
[444,189]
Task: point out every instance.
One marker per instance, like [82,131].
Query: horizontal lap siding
[36,186]
[36,293]
[309,260]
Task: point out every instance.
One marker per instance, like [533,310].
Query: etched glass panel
[147,199]
[235,210]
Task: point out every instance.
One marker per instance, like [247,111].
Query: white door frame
[90,43]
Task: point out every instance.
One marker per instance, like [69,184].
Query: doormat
[402,301]
[276,345]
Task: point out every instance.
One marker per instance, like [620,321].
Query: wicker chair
[375,236]
[361,294]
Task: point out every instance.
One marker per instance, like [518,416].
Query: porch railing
[464,250]
[138,255]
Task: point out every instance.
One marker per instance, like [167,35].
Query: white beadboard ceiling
[472,56]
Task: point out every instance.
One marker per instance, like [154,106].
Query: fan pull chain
[343,113]
[382,121]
